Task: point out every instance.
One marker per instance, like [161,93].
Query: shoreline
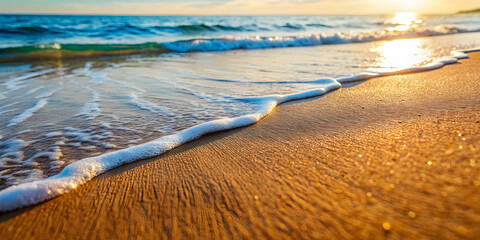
[299,169]
[83,170]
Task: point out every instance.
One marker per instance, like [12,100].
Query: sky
[234,7]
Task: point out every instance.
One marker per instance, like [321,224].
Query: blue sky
[234,7]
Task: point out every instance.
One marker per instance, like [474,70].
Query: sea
[80,95]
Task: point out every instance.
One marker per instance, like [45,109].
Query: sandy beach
[395,157]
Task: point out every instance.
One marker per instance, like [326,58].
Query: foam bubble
[53,134]
[11,150]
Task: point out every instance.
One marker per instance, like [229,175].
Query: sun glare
[404,21]
[405,18]
[399,54]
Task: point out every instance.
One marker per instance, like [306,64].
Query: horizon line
[223,15]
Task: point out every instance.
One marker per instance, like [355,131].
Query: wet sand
[390,158]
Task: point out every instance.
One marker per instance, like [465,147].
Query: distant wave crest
[73,51]
[223,44]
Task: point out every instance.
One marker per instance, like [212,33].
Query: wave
[224,44]
[84,170]
[199,28]
[27,31]
[56,51]
[291,26]
[139,30]
[318,25]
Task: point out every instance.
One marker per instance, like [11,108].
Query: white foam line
[47,94]
[33,90]
[91,109]
[84,170]
[98,78]
[27,113]
[6,111]
[230,43]
[146,105]
[12,83]
[124,84]
[8,105]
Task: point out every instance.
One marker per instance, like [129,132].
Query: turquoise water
[34,37]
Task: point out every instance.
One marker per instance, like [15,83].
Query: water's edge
[84,170]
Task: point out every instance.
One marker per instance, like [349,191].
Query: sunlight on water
[404,21]
[399,54]
[406,18]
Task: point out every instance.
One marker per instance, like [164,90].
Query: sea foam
[231,43]
[27,113]
[84,170]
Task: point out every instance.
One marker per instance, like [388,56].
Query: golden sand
[395,157]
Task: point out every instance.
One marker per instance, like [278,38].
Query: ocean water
[81,95]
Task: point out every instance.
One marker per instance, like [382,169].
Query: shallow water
[58,112]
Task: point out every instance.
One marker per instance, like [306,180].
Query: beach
[393,157]
[82,95]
